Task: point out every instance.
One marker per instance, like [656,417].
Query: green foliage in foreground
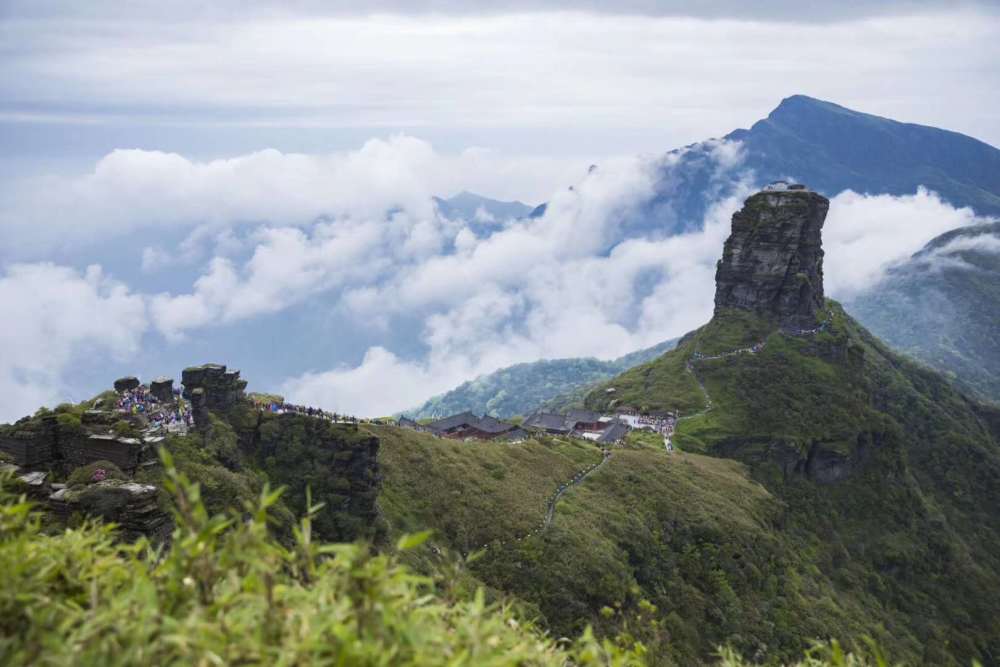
[225,592]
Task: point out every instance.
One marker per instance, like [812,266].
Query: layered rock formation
[772,263]
[48,442]
[222,389]
[162,388]
[132,507]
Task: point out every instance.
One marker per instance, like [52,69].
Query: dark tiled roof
[613,433]
[485,424]
[586,416]
[547,421]
[448,423]
[492,425]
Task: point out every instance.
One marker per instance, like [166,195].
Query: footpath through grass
[472,493]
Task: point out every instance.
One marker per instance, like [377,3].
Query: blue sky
[189,182]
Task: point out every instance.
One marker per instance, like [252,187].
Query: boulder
[162,388]
[126,383]
[99,418]
[34,484]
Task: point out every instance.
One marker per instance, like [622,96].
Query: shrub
[225,592]
[69,422]
[95,472]
[124,429]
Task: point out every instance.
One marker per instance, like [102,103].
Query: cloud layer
[357,234]
[138,191]
[52,315]
[579,75]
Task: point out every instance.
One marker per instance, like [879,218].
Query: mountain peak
[797,109]
[772,263]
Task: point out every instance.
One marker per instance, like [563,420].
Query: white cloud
[866,234]
[483,216]
[577,281]
[549,71]
[155,258]
[987,243]
[54,315]
[131,190]
[539,289]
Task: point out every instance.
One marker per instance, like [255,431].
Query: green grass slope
[694,536]
[832,490]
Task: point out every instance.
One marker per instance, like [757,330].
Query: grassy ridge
[475,492]
[867,503]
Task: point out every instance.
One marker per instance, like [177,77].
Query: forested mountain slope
[943,307]
[522,388]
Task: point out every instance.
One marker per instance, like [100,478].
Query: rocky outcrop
[131,506]
[162,388]
[45,442]
[772,263]
[126,383]
[199,407]
[31,442]
[338,462]
[222,389]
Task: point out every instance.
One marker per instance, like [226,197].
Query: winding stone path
[550,508]
[577,479]
[753,349]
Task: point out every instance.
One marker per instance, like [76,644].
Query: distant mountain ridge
[833,148]
[520,389]
[471,207]
[943,307]
[829,147]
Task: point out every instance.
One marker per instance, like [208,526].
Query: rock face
[132,507]
[127,383]
[162,388]
[222,388]
[44,442]
[772,263]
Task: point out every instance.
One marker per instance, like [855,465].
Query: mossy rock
[125,429]
[88,474]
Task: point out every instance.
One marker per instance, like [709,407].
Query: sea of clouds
[357,233]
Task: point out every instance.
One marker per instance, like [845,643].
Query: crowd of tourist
[279,407]
[659,424]
[174,415]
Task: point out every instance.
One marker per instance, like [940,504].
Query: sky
[195,181]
